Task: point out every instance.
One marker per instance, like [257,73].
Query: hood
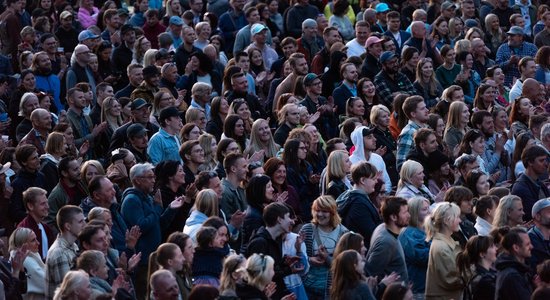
[357,140]
[508,261]
[518,3]
[130,191]
[346,199]
[49,157]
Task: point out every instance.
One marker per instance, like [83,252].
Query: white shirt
[44,240]
[516,90]
[355,49]
[483,227]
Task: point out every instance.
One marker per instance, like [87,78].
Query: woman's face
[491,254]
[45,102]
[323,217]
[93,63]
[273,6]
[368,89]
[176,7]
[33,244]
[347,164]
[224,107]
[205,32]
[166,101]
[450,57]
[474,35]
[188,251]
[116,109]
[239,128]
[501,120]
[469,62]
[29,83]
[423,212]
[243,111]
[459,26]
[418,178]
[495,23]
[465,116]
[466,206]
[84,291]
[313,134]
[201,122]
[482,185]
[269,191]
[46,4]
[91,171]
[443,28]
[384,119]
[445,169]
[478,146]
[69,136]
[287,69]
[413,62]
[145,45]
[106,54]
[488,95]
[302,151]
[194,134]
[427,69]
[195,63]
[179,177]
[279,176]
[525,107]
[27,62]
[102,270]
[439,128]
[358,108]
[216,44]
[360,266]
[265,13]
[221,238]
[213,146]
[256,58]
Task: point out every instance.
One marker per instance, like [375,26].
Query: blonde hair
[113,122]
[230,266]
[409,168]
[376,111]
[256,144]
[455,114]
[257,269]
[504,206]
[463,45]
[90,260]
[55,143]
[96,213]
[207,203]
[326,203]
[281,115]
[193,114]
[71,282]
[443,214]
[335,165]
[415,204]
[19,237]
[205,141]
[86,165]
[149,58]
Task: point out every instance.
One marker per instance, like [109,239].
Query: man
[244,36]
[356,47]
[88,38]
[357,211]
[381,24]
[365,144]
[192,155]
[233,197]
[398,36]
[164,285]
[426,47]
[464,164]
[36,204]
[62,254]
[390,81]
[322,58]
[79,70]
[200,94]
[486,7]
[175,26]
[83,129]
[468,10]
[69,189]
[297,14]
[45,78]
[314,102]
[289,118]
[347,89]
[386,254]
[141,110]
[104,90]
[150,85]
[416,111]
[512,269]
[169,76]
[230,24]
[152,27]
[495,155]
[503,12]
[164,144]
[196,8]
[28,176]
[137,142]
[112,23]
[536,92]
[259,34]
[49,45]
[527,68]
[134,72]
[213,54]
[425,143]
[371,64]
[66,33]
[481,61]
[509,54]
[41,125]
[184,51]
[545,137]
[299,67]
[310,43]
[141,209]
[239,89]
[13,27]
[528,186]
[540,233]
[122,55]
[269,241]
[528,11]
[543,37]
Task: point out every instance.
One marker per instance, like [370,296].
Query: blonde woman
[197,116]
[111,114]
[411,183]
[232,274]
[55,150]
[206,205]
[495,36]
[25,238]
[261,139]
[338,170]
[443,279]
[259,274]
[75,286]
[210,146]
[149,58]
[509,212]
[457,121]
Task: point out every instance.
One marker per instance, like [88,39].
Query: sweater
[385,255]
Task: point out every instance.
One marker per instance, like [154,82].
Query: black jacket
[513,279]
[358,213]
[120,138]
[482,285]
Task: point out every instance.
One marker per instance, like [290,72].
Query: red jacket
[29,222]
[152,33]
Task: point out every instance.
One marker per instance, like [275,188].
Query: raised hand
[270,289]
[132,236]
[134,261]
[282,197]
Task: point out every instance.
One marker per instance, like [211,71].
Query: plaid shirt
[405,142]
[61,259]
[504,53]
[386,86]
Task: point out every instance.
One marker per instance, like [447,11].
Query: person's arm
[133,214]
[379,256]
[416,251]
[154,150]
[17,210]
[447,271]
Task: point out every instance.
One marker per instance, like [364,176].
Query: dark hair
[164,170]
[95,184]
[478,116]
[63,165]
[255,191]
[273,211]
[290,154]
[205,236]
[541,58]
[471,181]
[396,290]
[270,167]
[521,143]
[475,247]
[203,292]
[186,149]
[24,152]
[513,238]
[331,145]
[230,160]
[469,137]
[229,130]
[422,134]
[531,153]
[203,179]
[391,207]
[361,170]
[339,7]
[543,270]
[457,194]
[222,146]
[485,203]
[205,64]
[86,234]
[410,104]
[348,241]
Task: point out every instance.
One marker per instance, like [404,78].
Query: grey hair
[26,97]
[545,131]
[140,169]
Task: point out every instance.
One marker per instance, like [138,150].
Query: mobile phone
[60,50]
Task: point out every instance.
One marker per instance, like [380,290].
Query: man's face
[316,87]
[430,145]
[542,218]
[261,37]
[293,115]
[240,168]
[73,171]
[215,184]
[394,24]
[392,66]
[479,48]
[421,113]
[286,223]
[44,121]
[539,165]
[141,115]
[244,63]
[350,74]
[196,5]
[98,242]
[50,45]
[78,100]
[153,80]
[520,22]
[288,49]
[488,126]
[171,74]
[136,76]
[253,17]
[369,142]
[403,217]
[129,37]
[44,63]
[167,287]
[529,70]
[152,20]
[240,84]
[76,224]
[362,34]
[524,250]
[468,9]
[106,193]
[67,23]
[515,40]
[174,123]
[114,22]
[189,35]
[40,207]
[146,181]
[309,32]
[33,162]
[140,142]
[333,37]
[197,155]
[301,67]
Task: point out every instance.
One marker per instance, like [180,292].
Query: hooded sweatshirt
[512,279]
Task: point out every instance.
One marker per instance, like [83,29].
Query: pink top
[86,19]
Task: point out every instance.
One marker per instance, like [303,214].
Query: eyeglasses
[303,148]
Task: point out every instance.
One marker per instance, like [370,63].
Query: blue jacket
[118,231]
[341,95]
[529,192]
[51,85]
[163,146]
[541,247]
[417,250]
[540,75]
[358,213]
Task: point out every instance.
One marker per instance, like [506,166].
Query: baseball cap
[471,23]
[139,103]
[150,71]
[257,28]
[136,130]
[373,40]
[65,14]
[309,23]
[382,7]
[163,54]
[367,130]
[447,5]
[125,28]
[515,30]
[168,113]
[540,205]
[175,20]
[309,78]
[387,55]
[122,12]
[86,35]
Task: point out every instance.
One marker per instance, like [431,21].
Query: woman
[225,147]
[340,20]
[240,107]
[203,31]
[233,127]
[168,256]
[107,5]
[105,68]
[475,264]
[259,193]
[399,291]
[456,28]
[321,237]
[457,120]
[209,145]
[411,183]
[75,285]
[29,102]
[349,278]
[261,139]
[35,268]
[218,42]
[474,143]
[367,92]
[162,99]
[410,57]
[437,124]
[259,272]
[331,78]
[380,119]
[111,114]
[350,241]
[415,246]
[141,45]
[276,170]
[468,78]
[463,198]
[441,33]
[494,34]
[189,132]
[173,8]
[485,208]
[316,155]
[338,170]
[206,205]
[542,58]
[447,72]
[500,118]
[300,173]
[260,74]
[126,110]
[355,108]
[89,170]
[440,176]
[196,116]
[55,150]
[443,283]
[27,85]
[94,263]
[478,183]
[149,58]
[522,110]
[200,67]
[232,274]
[184,242]
[211,250]
[503,92]
[426,85]
[218,112]
[87,13]
[122,160]
[485,98]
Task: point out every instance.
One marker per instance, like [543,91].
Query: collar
[164,133]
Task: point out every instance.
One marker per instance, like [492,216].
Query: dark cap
[163,54]
[136,130]
[368,131]
[437,159]
[125,28]
[387,56]
[168,113]
[309,78]
[150,71]
[123,12]
[139,103]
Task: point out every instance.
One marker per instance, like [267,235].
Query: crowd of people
[272,149]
